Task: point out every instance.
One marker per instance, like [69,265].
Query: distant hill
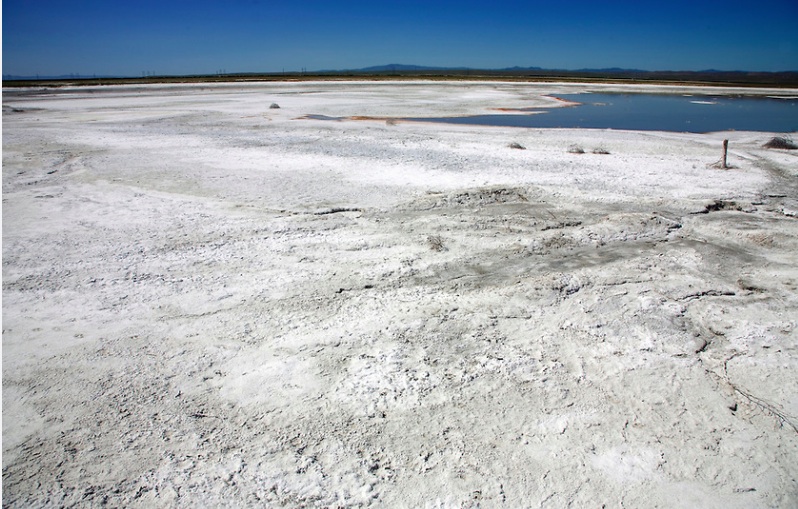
[402,67]
[709,77]
[423,68]
[782,78]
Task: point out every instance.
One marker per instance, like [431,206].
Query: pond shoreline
[648,112]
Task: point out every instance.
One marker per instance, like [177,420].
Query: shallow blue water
[647,112]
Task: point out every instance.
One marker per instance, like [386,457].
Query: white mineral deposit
[210,302]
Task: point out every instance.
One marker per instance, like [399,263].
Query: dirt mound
[471,198]
[782,143]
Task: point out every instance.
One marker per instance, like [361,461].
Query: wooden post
[723,159]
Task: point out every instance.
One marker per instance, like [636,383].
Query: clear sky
[129,37]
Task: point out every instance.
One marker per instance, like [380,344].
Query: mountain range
[782,78]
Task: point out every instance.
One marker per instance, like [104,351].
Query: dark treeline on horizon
[709,77]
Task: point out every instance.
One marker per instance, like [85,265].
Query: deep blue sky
[110,37]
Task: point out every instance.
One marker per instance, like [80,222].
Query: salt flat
[211,302]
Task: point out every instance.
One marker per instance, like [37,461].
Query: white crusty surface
[208,302]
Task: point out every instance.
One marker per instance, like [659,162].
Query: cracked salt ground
[205,309]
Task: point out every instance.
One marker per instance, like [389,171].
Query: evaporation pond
[651,112]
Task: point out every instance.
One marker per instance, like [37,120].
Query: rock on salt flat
[211,302]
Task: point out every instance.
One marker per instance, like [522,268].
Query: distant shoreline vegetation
[784,79]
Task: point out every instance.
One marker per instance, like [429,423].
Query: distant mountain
[711,76]
[405,68]
[780,78]
[516,68]
[611,69]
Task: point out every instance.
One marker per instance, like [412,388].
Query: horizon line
[377,69]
